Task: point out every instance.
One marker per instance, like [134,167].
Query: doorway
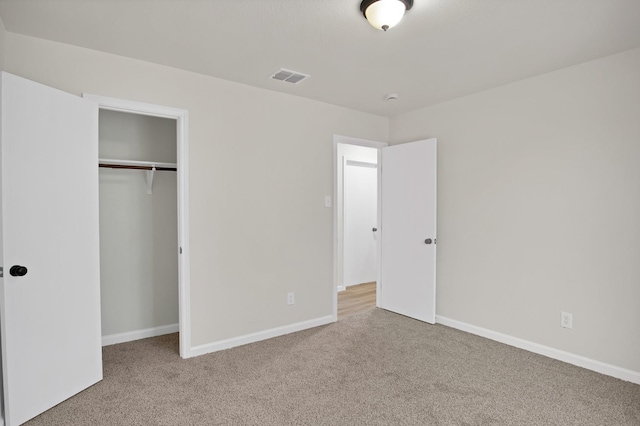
[157,173]
[356,220]
[359,213]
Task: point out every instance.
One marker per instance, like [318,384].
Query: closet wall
[138,231]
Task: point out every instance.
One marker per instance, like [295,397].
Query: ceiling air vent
[289,76]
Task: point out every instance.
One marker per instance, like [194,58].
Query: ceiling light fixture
[384,14]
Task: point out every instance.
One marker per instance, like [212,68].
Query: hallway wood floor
[356,298]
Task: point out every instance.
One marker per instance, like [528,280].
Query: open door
[50,291]
[408,230]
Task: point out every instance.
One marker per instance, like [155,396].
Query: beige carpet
[373,368]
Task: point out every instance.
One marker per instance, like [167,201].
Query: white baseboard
[256,337]
[112,339]
[341,288]
[580,361]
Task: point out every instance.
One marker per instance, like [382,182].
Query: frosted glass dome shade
[384,14]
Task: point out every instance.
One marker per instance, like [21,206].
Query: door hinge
[1,272]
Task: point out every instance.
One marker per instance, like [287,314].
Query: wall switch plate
[290,299]
[327,200]
[566,320]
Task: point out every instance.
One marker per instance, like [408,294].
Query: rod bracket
[149,178]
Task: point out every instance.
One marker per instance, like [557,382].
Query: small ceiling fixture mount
[384,14]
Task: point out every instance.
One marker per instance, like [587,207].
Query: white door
[360,192]
[50,317]
[408,230]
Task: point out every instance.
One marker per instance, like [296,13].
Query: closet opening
[143,222]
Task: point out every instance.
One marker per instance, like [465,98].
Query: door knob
[374,229]
[18,271]
[428,241]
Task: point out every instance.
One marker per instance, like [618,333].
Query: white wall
[3,33]
[360,216]
[348,150]
[2,55]
[260,166]
[138,231]
[539,207]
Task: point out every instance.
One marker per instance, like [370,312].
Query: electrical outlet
[290,299]
[566,320]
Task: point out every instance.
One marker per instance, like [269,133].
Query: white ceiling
[442,49]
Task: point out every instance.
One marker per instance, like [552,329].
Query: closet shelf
[149,166]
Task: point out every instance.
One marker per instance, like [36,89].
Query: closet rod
[136,165]
[126,166]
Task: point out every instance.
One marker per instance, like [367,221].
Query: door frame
[182,144]
[360,142]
